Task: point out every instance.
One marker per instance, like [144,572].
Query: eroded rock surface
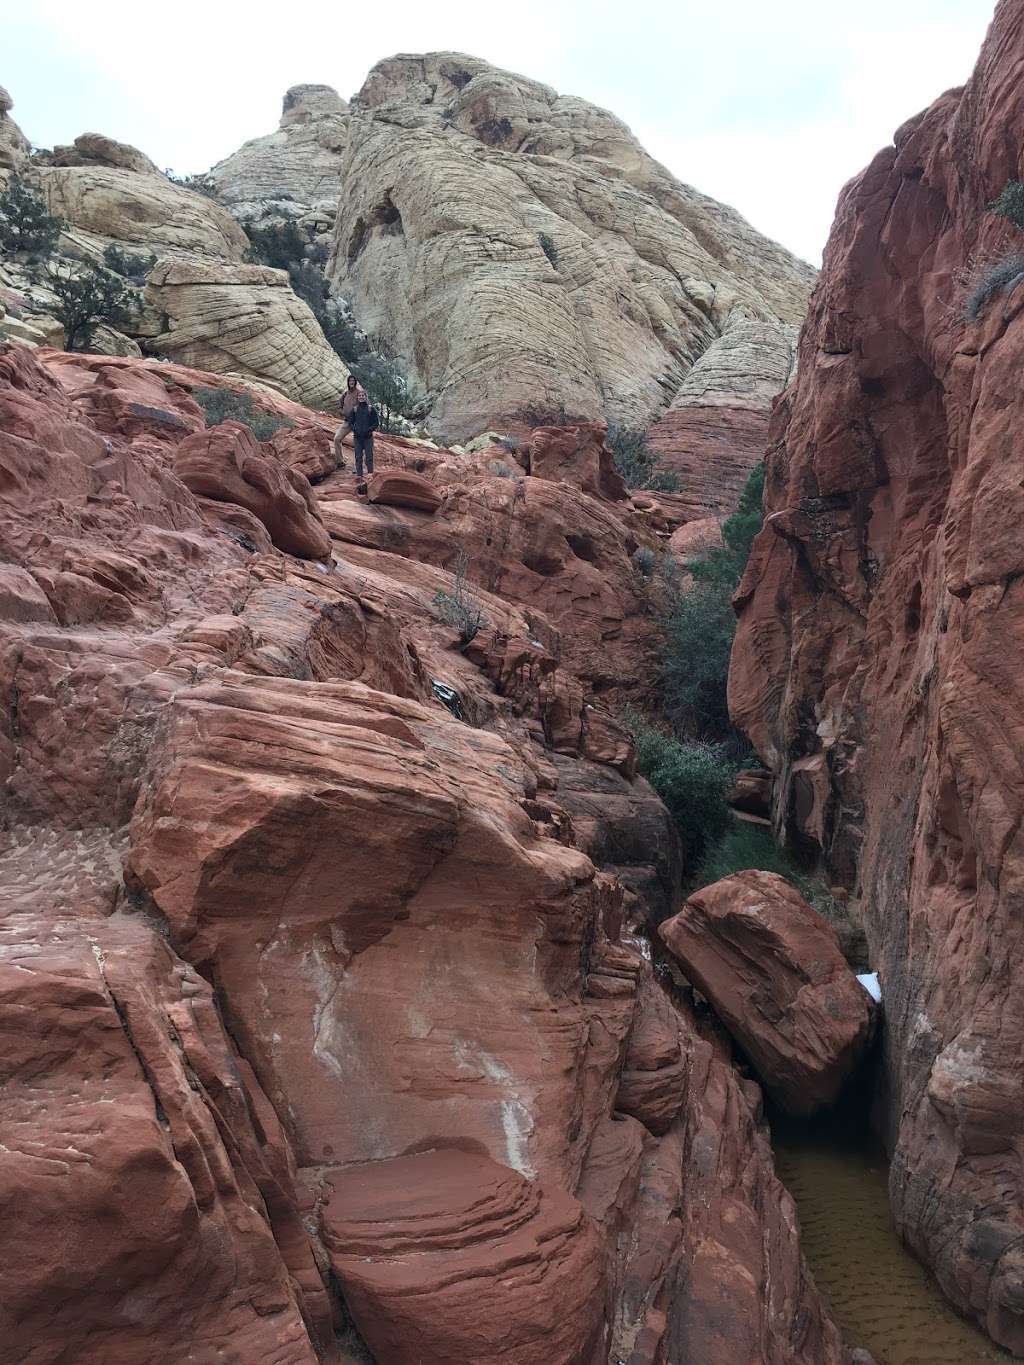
[877,665]
[294,909]
[525,253]
[772,969]
[717,427]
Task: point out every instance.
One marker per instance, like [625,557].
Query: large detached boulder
[771,967]
[227,464]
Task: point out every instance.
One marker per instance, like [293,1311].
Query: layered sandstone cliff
[293,173]
[202,305]
[293,882]
[877,665]
[524,253]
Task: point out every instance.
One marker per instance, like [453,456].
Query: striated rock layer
[878,662]
[525,254]
[295,172]
[717,427]
[306,965]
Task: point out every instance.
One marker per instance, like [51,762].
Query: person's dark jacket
[362,419]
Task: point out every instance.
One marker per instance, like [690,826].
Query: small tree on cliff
[638,463]
[25,224]
[85,298]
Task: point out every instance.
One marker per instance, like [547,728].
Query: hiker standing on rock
[348,402]
[362,422]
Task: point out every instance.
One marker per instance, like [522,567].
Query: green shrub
[280,245]
[25,224]
[198,184]
[131,265]
[1010,202]
[534,415]
[387,386]
[693,779]
[310,284]
[644,560]
[224,405]
[549,249]
[638,463]
[745,847]
[995,277]
[85,298]
[700,624]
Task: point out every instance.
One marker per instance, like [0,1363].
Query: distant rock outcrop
[526,254]
[14,145]
[295,172]
[109,192]
[717,427]
[880,651]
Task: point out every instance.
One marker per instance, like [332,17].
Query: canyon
[360,1001]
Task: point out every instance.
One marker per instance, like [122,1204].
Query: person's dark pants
[364,448]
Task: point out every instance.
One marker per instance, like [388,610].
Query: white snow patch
[870,982]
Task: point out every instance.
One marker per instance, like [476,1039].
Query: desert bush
[747,847]
[458,608]
[693,779]
[25,223]
[310,284]
[503,470]
[131,265]
[224,405]
[549,249]
[638,463]
[85,298]
[280,245]
[535,415]
[510,443]
[994,277]
[1009,202]
[644,560]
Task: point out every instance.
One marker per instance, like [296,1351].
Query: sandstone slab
[772,969]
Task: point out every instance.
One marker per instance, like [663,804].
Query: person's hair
[351,382]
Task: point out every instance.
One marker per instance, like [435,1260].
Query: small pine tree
[132,265]
[25,224]
[85,298]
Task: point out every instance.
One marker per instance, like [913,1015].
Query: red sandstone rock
[225,463]
[447,1256]
[752,792]
[407,938]
[399,488]
[577,455]
[880,631]
[772,969]
[151,1213]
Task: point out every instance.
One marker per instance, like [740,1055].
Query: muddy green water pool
[881,1296]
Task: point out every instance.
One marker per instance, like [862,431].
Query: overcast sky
[769,107]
